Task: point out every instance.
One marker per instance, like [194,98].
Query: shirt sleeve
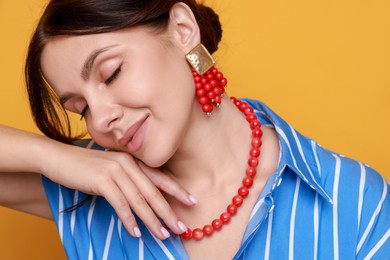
[374,233]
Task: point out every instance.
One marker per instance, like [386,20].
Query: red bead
[225,217]
[237,102]
[197,79]
[218,76]
[237,200]
[187,234]
[217,224]
[207,87]
[248,111]
[208,72]
[204,80]
[243,191]
[233,99]
[247,181]
[254,152]
[250,171]
[198,85]
[253,162]
[256,142]
[255,124]
[197,234]
[208,230]
[243,106]
[203,100]
[251,117]
[257,132]
[210,95]
[223,82]
[207,108]
[214,83]
[217,99]
[200,92]
[231,209]
[210,77]
[214,70]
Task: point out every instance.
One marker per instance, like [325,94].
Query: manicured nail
[137,232]
[165,232]
[192,199]
[182,227]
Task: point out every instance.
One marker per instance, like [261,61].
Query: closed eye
[113,76]
[83,113]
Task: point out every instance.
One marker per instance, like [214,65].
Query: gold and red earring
[209,82]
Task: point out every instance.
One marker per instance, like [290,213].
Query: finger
[148,196]
[168,185]
[118,201]
[140,206]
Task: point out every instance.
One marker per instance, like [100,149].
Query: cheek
[103,140]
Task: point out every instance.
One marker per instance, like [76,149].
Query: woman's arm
[113,175]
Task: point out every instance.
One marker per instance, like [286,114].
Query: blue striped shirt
[317,205]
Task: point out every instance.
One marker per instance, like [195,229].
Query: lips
[131,132]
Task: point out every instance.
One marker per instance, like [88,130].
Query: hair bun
[210,28]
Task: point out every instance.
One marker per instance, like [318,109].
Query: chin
[155,159]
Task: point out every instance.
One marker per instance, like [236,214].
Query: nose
[104,114]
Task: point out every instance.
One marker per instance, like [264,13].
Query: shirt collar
[296,151]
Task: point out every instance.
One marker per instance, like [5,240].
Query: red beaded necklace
[247,181]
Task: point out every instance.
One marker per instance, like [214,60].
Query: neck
[214,151]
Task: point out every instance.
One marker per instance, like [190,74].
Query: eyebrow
[88,64]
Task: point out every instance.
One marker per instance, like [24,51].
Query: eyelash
[108,81]
[83,113]
[113,76]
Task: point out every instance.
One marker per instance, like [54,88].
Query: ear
[183,27]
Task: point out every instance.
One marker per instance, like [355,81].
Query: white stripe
[335,207]
[304,158]
[292,221]
[141,249]
[378,245]
[73,217]
[314,148]
[315,223]
[60,214]
[301,152]
[90,144]
[372,220]
[256,207]
[90,213]
[108,239]
[283,135]
[361,191]
[268,241]
[90,252]
[119,227]
[163,247]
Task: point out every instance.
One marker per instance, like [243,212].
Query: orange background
[322,65]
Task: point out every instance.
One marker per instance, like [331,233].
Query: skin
[113,175]
[206,156]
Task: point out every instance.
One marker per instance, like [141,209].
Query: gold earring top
[200,59]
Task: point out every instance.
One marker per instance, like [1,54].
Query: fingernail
[182,227]
[165,232]
[192,199]
[137,232]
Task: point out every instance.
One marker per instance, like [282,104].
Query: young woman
[263,189]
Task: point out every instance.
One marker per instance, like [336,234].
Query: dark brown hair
[80,17]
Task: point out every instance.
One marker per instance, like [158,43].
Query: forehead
[70,52]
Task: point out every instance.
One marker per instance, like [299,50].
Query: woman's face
[134,89]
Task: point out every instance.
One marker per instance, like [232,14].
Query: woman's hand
[125,183]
